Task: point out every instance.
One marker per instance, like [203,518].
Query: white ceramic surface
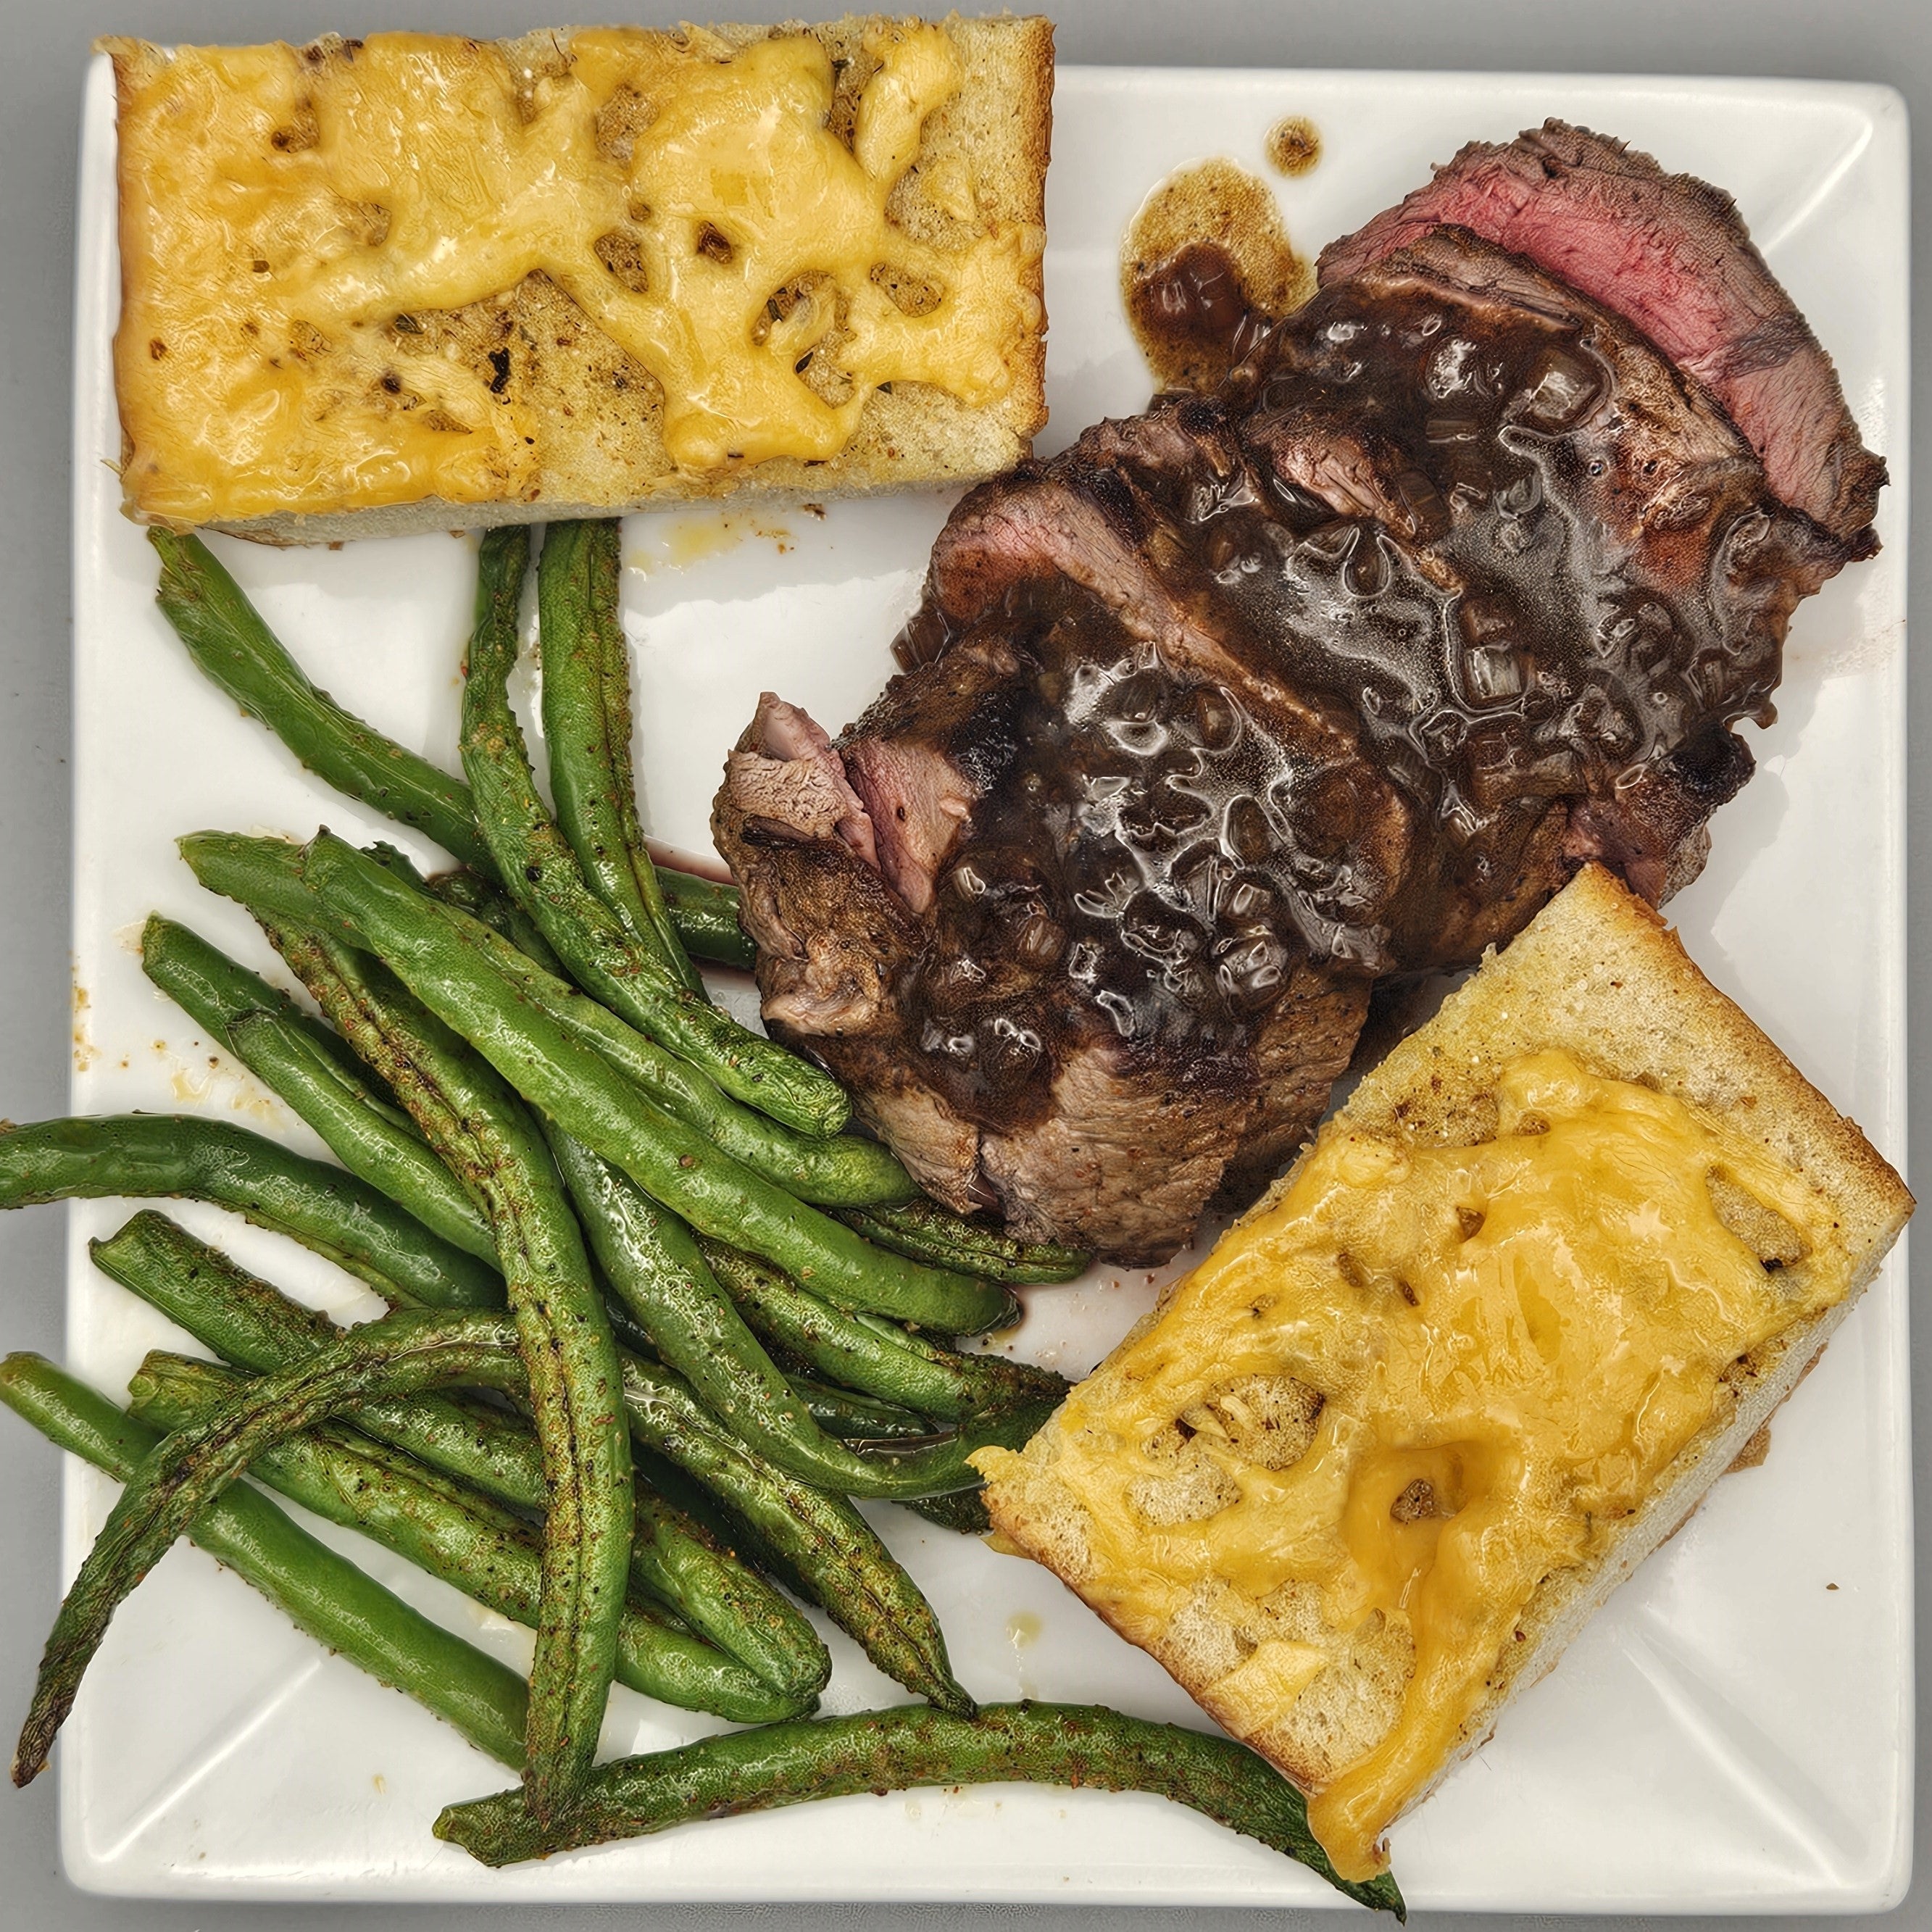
[1733,1733]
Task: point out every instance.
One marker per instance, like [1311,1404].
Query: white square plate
[1734,1732]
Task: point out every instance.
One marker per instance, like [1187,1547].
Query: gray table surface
[45,47]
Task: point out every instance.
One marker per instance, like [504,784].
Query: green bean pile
[655,1316]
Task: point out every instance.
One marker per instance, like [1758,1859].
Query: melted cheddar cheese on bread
[414,280]
[1372,1464]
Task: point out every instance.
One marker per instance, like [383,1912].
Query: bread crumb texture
[367,284]
[1488,1342]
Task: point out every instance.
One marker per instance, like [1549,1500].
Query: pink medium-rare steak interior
[1671,254]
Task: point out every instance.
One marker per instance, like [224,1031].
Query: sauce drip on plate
[1206,263]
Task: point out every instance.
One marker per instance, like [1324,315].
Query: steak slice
[1030,1037]
[1671,254]
[1602,586]
[799,842]
[1240,704]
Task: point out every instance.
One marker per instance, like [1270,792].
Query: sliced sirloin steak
[1671,254]
[1235,706]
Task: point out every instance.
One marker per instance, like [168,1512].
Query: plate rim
[1886,109]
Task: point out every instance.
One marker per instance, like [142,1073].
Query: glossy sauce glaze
[1393,717]
[1122,883]
[1541,609]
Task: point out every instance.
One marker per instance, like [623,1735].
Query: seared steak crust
[1239,704]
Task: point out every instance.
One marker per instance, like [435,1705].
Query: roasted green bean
[355,1117]
[650,1258]
[854,1418]
[400,1356]
[536,861]
[416,938]
[215,991]
[962,1511]
[487,1137]
[1079,1745]
[200,1288]
[265,875]
[676,1560]
[833,1171]
[395,1160]
[482,1445]
[147,1156]
[868,1353]
[487,903]
[586,717]
[930,1233]
[484,1550]
[255,1326]
[227,639]
[819,1539]
[705,913]
[322,1594]
[392,1155]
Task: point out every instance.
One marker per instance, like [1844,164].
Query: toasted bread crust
[601,447]
[1599,976]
